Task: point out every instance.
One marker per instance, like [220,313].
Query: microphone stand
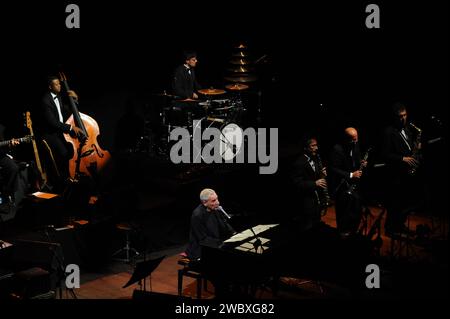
[225,220]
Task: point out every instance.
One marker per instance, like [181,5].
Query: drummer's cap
[189,55]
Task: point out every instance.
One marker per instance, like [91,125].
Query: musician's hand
[195,96]
[324,171]
[356,174]
[410,161]
[14,142]
[76,132]
[364,163]
[322,183]
[72,94]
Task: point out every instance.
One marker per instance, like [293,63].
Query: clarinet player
[346,170]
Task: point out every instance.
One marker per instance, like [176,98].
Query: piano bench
[192,273]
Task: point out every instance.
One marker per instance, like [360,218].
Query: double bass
[89,158]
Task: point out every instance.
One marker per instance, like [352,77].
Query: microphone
[221,209]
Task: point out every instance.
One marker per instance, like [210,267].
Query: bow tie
[55,97]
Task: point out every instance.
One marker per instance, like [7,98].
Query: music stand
[142,270]
[257,243]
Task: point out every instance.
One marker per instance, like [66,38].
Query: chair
[127,250]
[191,272]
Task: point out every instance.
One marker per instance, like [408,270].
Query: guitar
[43,175]
[25,139]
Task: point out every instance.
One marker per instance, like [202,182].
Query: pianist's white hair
[204,194]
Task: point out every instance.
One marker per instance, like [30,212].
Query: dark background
[323,70]
[317,53]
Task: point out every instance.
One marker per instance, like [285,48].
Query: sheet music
[248,233]
[252,249]
[44,195]
[249,246]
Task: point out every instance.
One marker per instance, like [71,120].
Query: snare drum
[205,104]
[220,108]
[220,103]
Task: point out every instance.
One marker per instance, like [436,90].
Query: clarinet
[351,190]
[323,197]
[415,151]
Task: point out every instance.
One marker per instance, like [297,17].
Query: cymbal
[241,46]
[211,91]
[213,119]
[240,54]
[239,61]
[237,87]
[241,79]
[240,69]
[187,100]
[164,94]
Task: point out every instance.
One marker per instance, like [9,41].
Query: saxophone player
[401,144]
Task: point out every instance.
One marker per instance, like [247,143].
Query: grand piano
[248,259]
[260,255]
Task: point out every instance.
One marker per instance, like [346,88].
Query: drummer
[184,83]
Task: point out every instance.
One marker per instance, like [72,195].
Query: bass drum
[231,137]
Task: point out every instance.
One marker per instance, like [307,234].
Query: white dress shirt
[58,106]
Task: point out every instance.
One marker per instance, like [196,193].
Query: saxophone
[415,150]
[323,197]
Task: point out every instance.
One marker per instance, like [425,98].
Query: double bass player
[54,112]
[70,135]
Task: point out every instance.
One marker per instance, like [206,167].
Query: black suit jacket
[395,148]
[49,116]
[304,180]
[207,229]
[184,84]
[342,164]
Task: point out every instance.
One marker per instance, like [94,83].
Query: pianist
[209,226]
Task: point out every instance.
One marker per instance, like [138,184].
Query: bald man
[345,169]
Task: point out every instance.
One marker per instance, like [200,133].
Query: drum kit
[214,108]
[214,105]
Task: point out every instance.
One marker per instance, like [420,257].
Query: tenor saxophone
[416,149]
